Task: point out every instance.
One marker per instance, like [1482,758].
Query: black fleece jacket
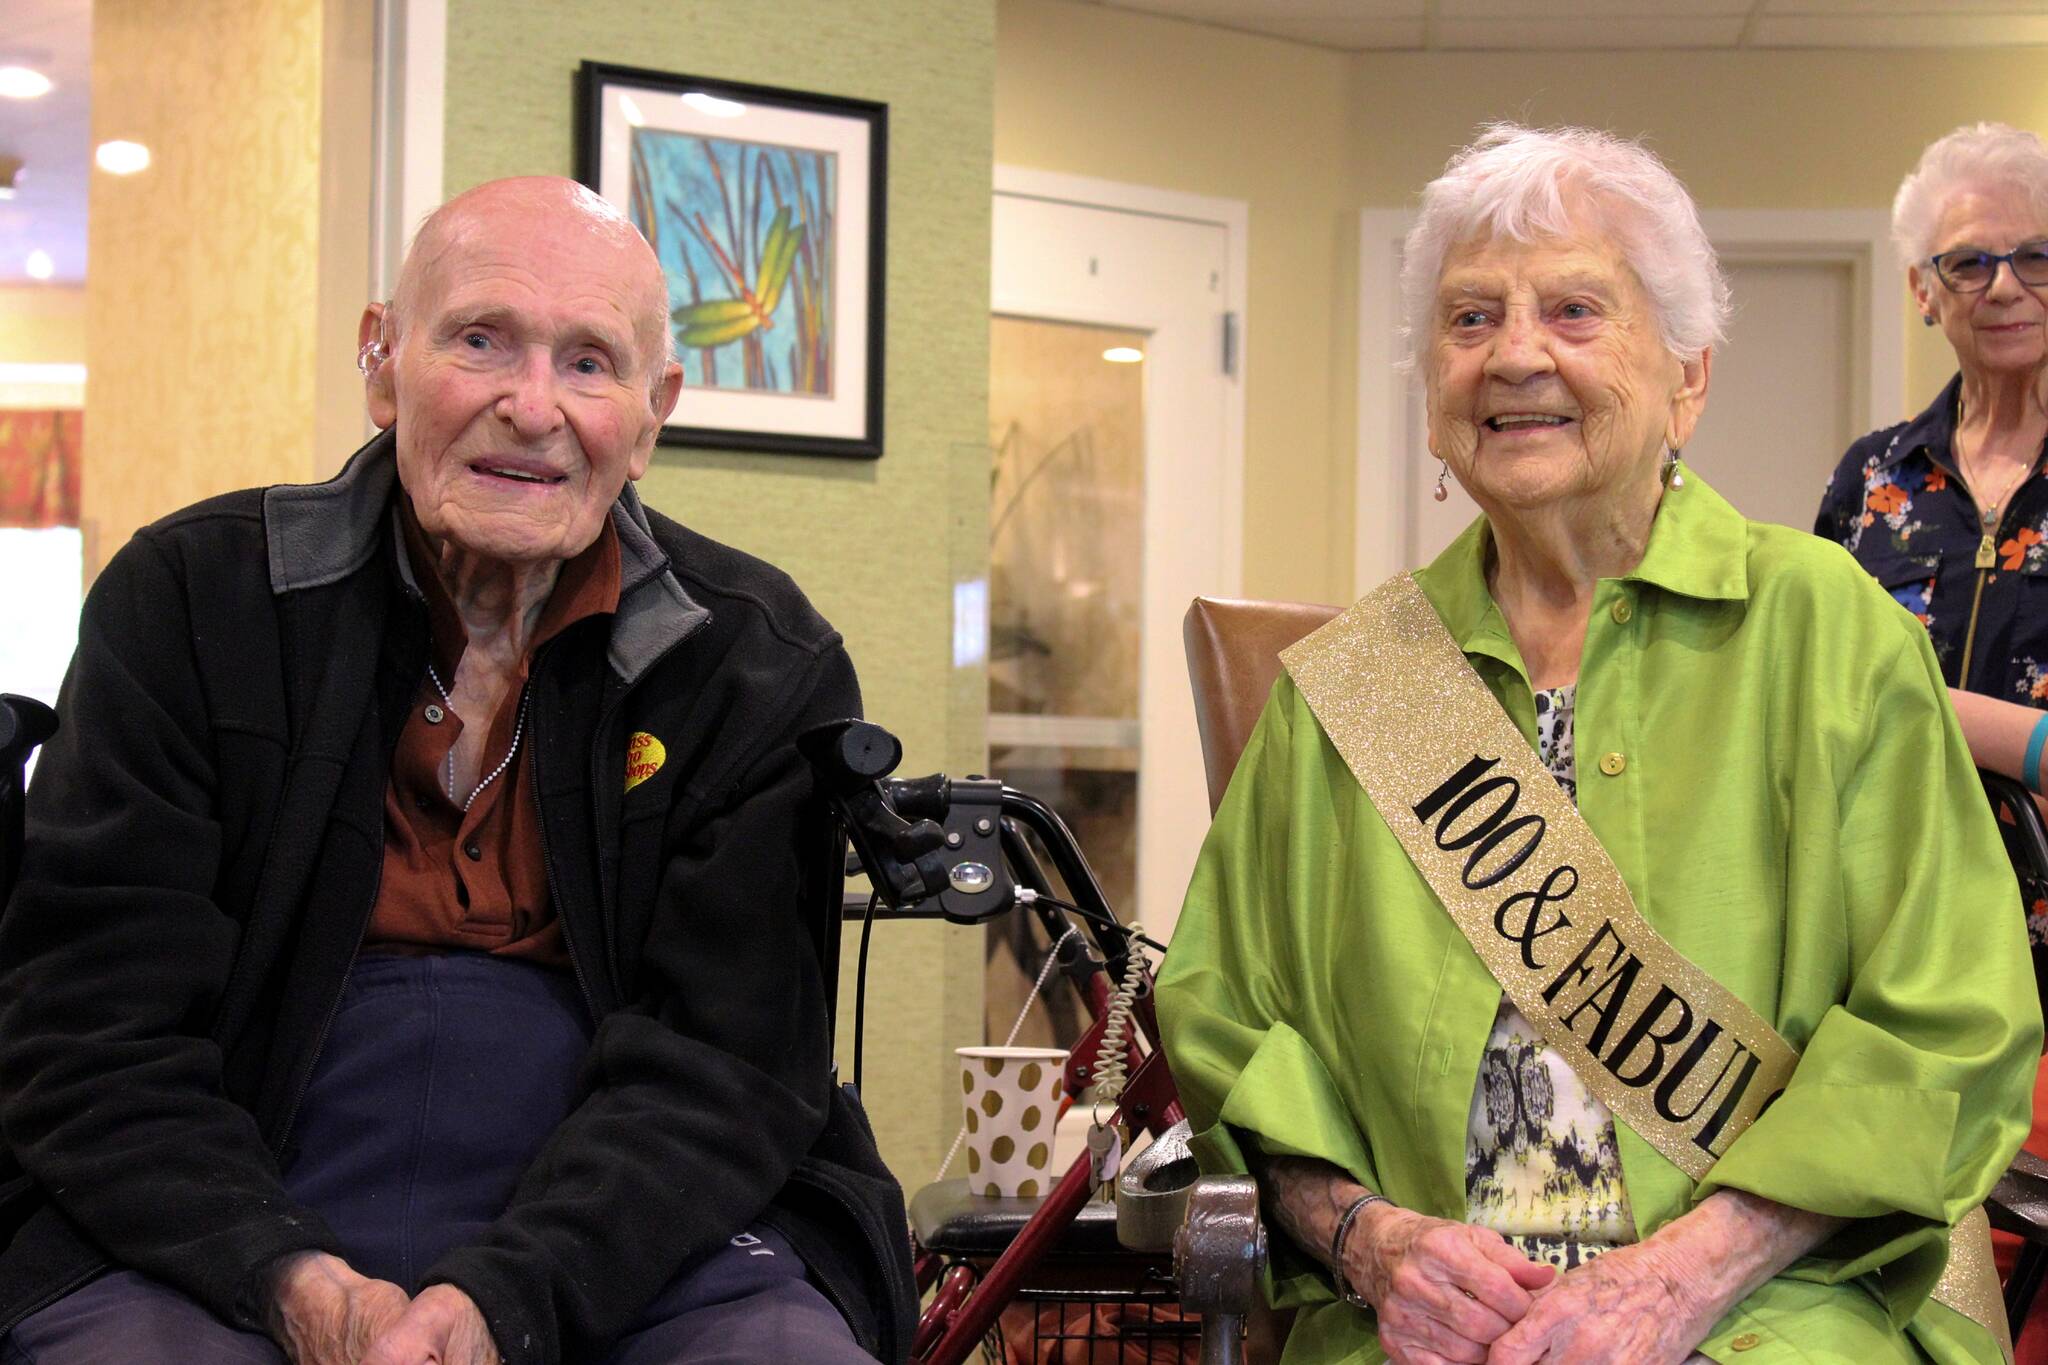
[204,845]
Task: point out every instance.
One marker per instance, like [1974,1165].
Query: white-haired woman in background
[1948,511]
[1702,1047]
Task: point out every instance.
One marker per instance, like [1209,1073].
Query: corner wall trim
[409,129]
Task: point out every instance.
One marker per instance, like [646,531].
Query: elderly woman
[1945,510]
[1668,1057]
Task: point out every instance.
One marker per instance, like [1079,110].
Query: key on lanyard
[1105,1151]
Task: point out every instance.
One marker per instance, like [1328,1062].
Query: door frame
[1234,216]
[1857,238]
[408,129]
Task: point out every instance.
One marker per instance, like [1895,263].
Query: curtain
[40,454]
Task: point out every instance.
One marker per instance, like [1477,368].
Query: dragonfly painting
[745,233]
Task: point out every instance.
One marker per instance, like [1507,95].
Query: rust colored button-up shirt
[475,879]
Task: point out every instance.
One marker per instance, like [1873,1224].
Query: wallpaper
[200,320]
[878,545]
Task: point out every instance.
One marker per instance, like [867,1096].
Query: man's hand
[1631,1305]
[324,1313]
[1443,1291]
[441,1327]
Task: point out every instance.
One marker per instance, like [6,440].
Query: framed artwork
[765,208]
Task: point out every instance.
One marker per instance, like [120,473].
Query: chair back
[1233,659]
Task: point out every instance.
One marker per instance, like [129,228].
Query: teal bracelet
[2030,771]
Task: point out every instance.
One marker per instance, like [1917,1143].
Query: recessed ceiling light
[122,158]
[714,106]
[39,265]
[20,83]
[1123,355]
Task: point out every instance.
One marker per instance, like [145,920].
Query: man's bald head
[524,370]
[500,211]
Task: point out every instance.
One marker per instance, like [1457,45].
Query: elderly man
[410,961]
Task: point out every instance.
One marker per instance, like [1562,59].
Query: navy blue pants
[440,1080]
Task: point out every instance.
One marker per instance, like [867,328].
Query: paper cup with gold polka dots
[1012,1096]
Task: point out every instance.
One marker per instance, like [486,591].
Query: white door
[1116,499]
[1780,407]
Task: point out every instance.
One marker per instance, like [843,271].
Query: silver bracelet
[1344,1289]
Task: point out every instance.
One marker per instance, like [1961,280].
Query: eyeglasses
[1970,271]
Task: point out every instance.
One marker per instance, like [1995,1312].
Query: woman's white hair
[1994,157]
[1527,183]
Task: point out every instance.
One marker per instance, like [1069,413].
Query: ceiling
[1522,25]
[52,136]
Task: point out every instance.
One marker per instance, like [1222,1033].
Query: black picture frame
[803,232]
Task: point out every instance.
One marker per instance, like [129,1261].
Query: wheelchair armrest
[1219,1253]
[2019,1201]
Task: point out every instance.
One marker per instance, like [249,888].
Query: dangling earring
[1927,319]
[1442,472]
[1672,478]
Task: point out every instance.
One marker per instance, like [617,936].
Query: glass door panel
[1066,556]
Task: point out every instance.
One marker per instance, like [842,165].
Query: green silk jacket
[1794,810]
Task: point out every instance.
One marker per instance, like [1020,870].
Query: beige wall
[205,272]
[42,325]
[877,545]
[1123,96]
[1308,137]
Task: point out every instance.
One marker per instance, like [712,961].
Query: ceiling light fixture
[714,106]
[122,158]
[1123,355]
[21,83]
[39,265]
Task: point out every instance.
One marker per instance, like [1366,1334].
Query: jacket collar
[1698,548]
[318,534]
[1933,430]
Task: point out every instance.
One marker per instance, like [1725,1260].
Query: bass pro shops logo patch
[644,757]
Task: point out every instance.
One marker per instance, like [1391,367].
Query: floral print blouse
[1897,504]
[1541,1164]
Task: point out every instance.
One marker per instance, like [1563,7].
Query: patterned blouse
[1897,504]
[1541,1164]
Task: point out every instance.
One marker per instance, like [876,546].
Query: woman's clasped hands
[1451,1293]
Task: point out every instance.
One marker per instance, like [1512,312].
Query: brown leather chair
[1233,658]
[1233,651]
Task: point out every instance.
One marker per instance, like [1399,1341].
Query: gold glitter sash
[1678,1057]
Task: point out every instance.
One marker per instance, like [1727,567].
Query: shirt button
[475,853]
[1612,764]
[1621,611]
[434,714]
[420,803]
[1746,1341]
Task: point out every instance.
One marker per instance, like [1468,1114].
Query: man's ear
[667,390]
[380,393]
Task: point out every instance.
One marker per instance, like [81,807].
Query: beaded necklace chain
[518,730]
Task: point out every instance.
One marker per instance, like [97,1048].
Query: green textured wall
[877,545]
